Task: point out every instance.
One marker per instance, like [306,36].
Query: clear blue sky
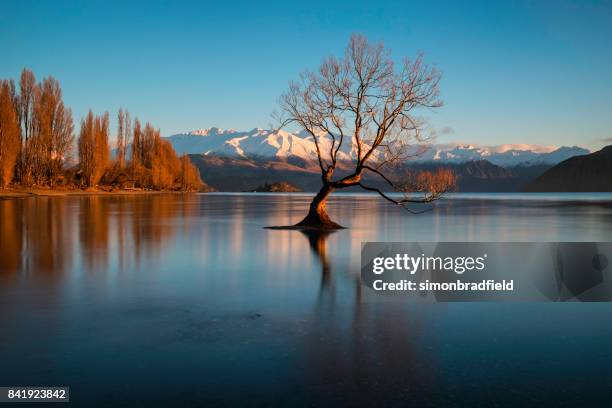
[514,72]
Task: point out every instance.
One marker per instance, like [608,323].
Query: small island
[281,187]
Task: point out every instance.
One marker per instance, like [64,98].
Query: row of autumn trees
[37,144]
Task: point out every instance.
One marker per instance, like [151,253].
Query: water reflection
[94,231]
[374,349]
[317,241]
[47,235]
[11,236]
[36,236]
[191,291]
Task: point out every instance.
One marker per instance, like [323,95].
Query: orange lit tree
[364,102]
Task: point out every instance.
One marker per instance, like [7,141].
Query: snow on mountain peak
[211,131]
[522,147]
[286,146]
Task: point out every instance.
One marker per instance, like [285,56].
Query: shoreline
[602,197]
[48,192]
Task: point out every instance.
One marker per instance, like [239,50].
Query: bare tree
[136,145]
[52,138]
[361,102]
[28,94]
[124,130]
[121,138]
[27,90]
[127,135]
[87,148]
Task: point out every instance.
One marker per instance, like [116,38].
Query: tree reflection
[39,235]
[152,223]
[35,236]
[380,341]
[317,241]
[11,236]
[94,230]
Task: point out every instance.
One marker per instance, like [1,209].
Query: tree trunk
[317,217]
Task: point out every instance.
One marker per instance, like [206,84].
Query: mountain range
[299,148]
[232,160]
[586,173]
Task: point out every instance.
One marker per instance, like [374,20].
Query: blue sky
[514,72]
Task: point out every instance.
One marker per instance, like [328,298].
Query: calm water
[135,300]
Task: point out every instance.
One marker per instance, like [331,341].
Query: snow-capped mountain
[282,145]
[255,144]
[503,155]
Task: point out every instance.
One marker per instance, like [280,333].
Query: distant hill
[484,176]
[232,174]
[229,174]
[587,173]
[232,160]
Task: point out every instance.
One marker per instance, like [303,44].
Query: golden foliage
[190,176]
[436,182]
[155,164]
[93,148]
[52,138]
[9,133]
[37,136]
[28,90]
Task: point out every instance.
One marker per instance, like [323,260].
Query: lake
[187,299]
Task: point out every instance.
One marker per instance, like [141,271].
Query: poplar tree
[10,145]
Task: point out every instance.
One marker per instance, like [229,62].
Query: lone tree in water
[364,103]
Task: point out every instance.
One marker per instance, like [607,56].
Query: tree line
[37,145]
